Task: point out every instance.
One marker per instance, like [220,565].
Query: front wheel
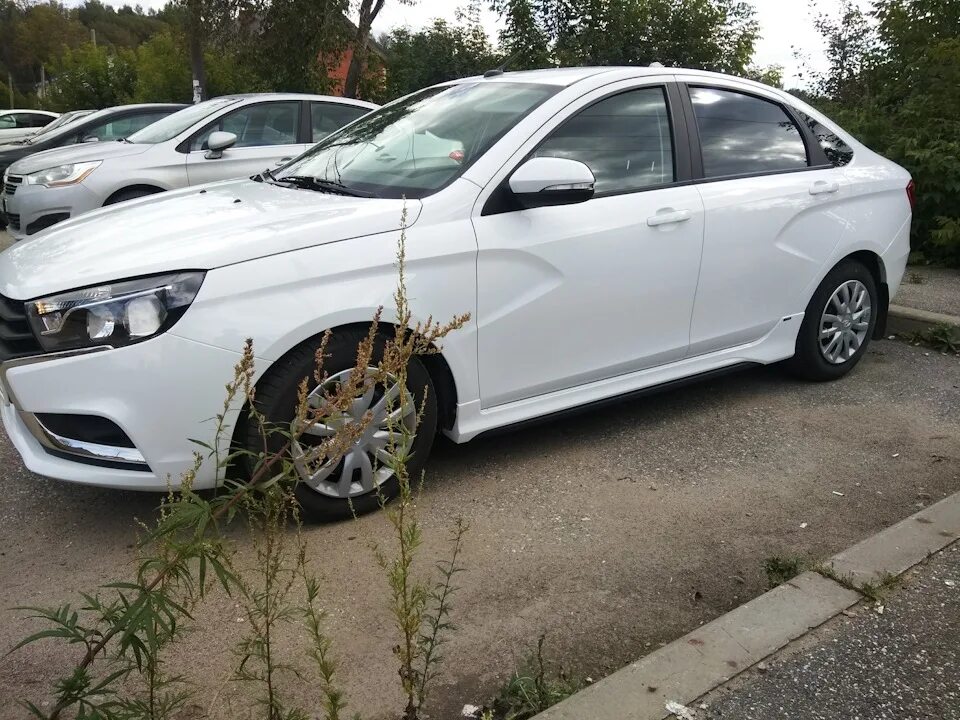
[838,323]
[355,483]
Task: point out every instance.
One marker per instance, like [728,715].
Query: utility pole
[10,85]
[43,82]
[93,36]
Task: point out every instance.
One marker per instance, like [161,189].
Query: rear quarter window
[836,150]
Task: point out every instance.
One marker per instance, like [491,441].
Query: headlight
[63,174]
[116,314]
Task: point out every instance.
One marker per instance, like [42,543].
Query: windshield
[66,128]
[172,125]
[420,143]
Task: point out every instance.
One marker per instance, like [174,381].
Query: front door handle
[822,187]
[668,216]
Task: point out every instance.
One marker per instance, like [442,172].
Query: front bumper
[161,393]
[32,208]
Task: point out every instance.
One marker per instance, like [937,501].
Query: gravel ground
[932,289]
[898,665]
[612,532]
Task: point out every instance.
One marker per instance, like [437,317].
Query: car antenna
[502,68]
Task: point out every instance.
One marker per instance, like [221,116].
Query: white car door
[769,194]
[267,134]
[573,294]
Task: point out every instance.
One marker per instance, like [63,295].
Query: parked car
[110,124]
[222,138]
[64,119]
[16,124]
[610,230]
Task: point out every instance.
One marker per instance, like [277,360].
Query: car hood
[82,152]
[194,229]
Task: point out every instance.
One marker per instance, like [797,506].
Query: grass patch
[531,690]
[783,568]
[943,338]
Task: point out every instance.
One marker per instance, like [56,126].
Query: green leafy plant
[123,628]
[531,690]
[942,337]
[783,568]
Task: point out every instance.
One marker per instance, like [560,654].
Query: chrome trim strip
[50,440]
[7,392]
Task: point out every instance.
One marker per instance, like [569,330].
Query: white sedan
[610,231]
[18,124]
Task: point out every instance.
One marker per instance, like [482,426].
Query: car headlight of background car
[63,174]
[113,314]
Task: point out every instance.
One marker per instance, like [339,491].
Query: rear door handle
[668,216]
[822,187]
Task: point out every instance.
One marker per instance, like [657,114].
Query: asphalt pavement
[895,660]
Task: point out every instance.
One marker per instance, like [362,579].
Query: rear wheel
[354,483]
[838,323]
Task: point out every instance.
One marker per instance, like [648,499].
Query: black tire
[130,194]
[276,398]
[809,361]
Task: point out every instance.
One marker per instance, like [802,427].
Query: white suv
[610,230]
[222,138]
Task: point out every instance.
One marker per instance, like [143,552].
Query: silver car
[219,139]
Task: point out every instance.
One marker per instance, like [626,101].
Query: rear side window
[836,150]
[326,118]
[624,139]
[742,134]
[264,124]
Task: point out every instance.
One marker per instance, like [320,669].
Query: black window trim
[816,158]
[798,115]
[184,145]
[499,200]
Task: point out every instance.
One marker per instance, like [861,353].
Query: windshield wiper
[265,175]
[331,186]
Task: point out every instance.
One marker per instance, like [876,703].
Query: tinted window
[256,125]
[7,121]
[836,150]
[625,140]
[326,118]
[121,127]
[742,134]
[31,120]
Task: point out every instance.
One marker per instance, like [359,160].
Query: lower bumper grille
[13,220]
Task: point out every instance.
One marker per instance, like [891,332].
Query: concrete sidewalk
[928,296]
[898,660]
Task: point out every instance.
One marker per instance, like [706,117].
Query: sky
[784,25]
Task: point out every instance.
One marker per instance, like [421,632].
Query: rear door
[768,195]
[268,134]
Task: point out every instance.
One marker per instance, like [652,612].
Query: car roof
[569,76]
[143,106]
[296,96]
[7,111]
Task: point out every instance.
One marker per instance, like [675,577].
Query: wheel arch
[151,189]
[435,363]
[874,263]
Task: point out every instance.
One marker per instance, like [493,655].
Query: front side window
[741,134]
[326,117]
[180,121]
[260,125]
[624,139]
[7,122]
[836,150]
[420,143]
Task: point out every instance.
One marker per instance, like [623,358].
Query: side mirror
[90,139]
[543,181]
[217,143]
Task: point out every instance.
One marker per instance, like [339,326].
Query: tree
[93,77]
[163,74]
[522,37]
[708,34]
[437,53]
[369,9]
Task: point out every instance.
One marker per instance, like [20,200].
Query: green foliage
[782,568]
[437,53]
[531,691]
[709,34]
[163,73]
[894,82]
[93,77]
[942,337]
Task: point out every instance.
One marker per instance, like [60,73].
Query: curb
[905,320]
[712,654]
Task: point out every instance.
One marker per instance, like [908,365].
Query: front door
[266,137]
[573,294]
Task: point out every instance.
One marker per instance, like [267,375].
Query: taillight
[912,194]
